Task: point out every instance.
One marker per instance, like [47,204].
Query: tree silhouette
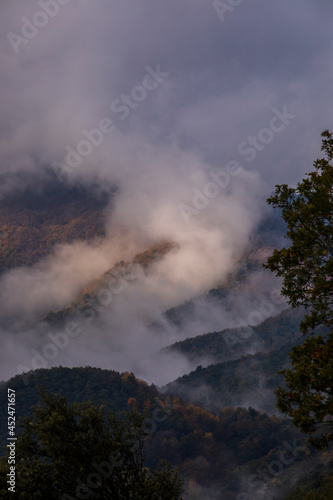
[80,451]
[306,266]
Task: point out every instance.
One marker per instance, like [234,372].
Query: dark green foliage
[205,447]
[306,266]
[82,451]
[78,384]
[308,397]
[249,380]
[315,485]
[232,343]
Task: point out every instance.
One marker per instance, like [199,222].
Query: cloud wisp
[153,102]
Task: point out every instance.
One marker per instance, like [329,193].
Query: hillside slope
[207,448]
[33,221]
[93,294]
[243,371]
[233,343]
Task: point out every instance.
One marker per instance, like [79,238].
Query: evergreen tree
[80,451]
[306,266]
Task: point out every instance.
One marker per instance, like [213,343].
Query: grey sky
[255,88]
[225,78]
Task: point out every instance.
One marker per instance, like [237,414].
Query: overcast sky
[226,75]
[157,98]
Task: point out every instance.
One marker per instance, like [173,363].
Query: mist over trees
[82,451]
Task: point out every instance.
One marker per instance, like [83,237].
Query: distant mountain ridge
[208,449]
[33,221]
[233,343]
[90,295]
[209,422]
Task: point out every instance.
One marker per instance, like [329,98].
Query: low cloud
[220,87]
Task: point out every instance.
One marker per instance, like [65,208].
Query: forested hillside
[208,448]
[218,424]
[33,221]
[228,344]
[121,270]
